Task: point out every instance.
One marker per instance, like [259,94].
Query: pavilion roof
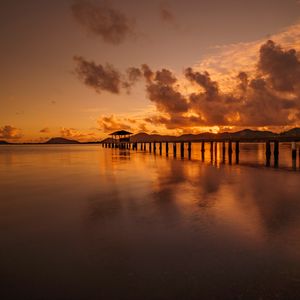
[121,132]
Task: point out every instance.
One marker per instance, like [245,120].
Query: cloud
[73,133]
[204,81]
[147,72]
[101,20]
[134,74]
[270,97]
[112,123]
[45,130]
[224,61]
[106,77]
[99,77]
[281,67]
[166,14]
[263,93]
[162,91]
[9,132]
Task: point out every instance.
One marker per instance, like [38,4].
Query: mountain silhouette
[60,140]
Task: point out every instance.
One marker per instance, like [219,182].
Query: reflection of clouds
[164,221]
[244,203]
[275,197]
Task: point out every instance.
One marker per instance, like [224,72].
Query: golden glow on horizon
[42,98]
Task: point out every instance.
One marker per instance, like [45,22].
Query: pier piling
[276,153]
[182,149]
[203,147]
[268,153]
[294,150]
[189,150]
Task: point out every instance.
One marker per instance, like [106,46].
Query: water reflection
[120,224]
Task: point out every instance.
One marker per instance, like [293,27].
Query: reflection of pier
[229,148]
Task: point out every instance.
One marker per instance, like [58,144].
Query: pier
[230,148]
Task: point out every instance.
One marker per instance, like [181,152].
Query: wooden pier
[228,147]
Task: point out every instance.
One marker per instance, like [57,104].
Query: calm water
[83,222]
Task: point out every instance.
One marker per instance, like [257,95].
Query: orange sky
[42,94]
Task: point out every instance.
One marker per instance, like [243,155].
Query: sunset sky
[81,69]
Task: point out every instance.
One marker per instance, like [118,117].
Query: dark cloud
[99,77]
[244,81]
[261,107]
[203,80]
[147,72]
[102,20]
[165,77]
[282,67]
[162,92]
[260,101]
[134,74]
[166,14]
[9,132]
[270,97]
[45,130]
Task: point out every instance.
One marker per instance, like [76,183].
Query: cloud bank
[110,24]
[267,96]
[9,132]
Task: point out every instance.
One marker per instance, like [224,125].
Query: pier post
[150,147]
[167,148]
[189,149]
[229,147]
[294,151]
[174,149]
[237,152]
[294,155]
[268,153]
[224,151]
[211,151]
[211,146]
[202,146]
[230,152]
[154,147]
[182,149]
[276,153]
[160,148]
[216,151]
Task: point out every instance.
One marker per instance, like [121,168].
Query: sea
[87,222]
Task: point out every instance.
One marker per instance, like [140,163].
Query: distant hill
[4,143]
[245,134]
[108,140]
[295,132]
[248,133]
[60,140]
